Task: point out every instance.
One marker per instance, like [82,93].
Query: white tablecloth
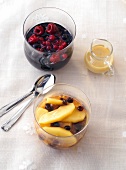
[104,145]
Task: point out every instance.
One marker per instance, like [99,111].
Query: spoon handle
[7,125]
[11,105]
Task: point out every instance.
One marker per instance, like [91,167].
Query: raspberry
[33,39]
[54,58]
[51,28]
[64,56]
[38,30]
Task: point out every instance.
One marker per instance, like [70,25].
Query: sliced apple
[42,104]
[54,101]
[76,116]
[57,131]
[39,112]
[57,114]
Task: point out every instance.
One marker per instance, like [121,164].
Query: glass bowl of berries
[61,115]
[49,33]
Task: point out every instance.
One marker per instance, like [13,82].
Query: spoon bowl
[42,83]
[5,109]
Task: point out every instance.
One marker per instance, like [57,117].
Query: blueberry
[67,127]
[49,107]
[70,100]
[36,45]
[64,101]
[65,36]
[80,108]
[61,98]
[55,124]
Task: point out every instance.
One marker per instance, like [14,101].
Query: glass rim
[48,8]
[94,55]
[64,137]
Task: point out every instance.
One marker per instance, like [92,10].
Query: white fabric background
[104,145]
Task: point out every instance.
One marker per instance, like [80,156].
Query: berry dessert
[49,46]
[61,121]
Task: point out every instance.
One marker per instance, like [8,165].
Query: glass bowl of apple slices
[62,115]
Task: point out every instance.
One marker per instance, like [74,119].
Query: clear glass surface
[41,60]
[56,141]
[99,58]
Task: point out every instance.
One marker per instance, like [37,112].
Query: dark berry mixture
[48,39]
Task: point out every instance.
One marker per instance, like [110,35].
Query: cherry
[38,30]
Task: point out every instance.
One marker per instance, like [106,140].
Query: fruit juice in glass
[61,119]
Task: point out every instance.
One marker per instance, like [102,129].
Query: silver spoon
[42,84]
[5,109]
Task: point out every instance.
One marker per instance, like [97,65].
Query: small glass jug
[99,58]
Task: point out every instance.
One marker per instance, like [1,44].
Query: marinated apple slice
[76,116]
[57,114]
[61,116]
[39,112]
[57,131]
[54,101]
